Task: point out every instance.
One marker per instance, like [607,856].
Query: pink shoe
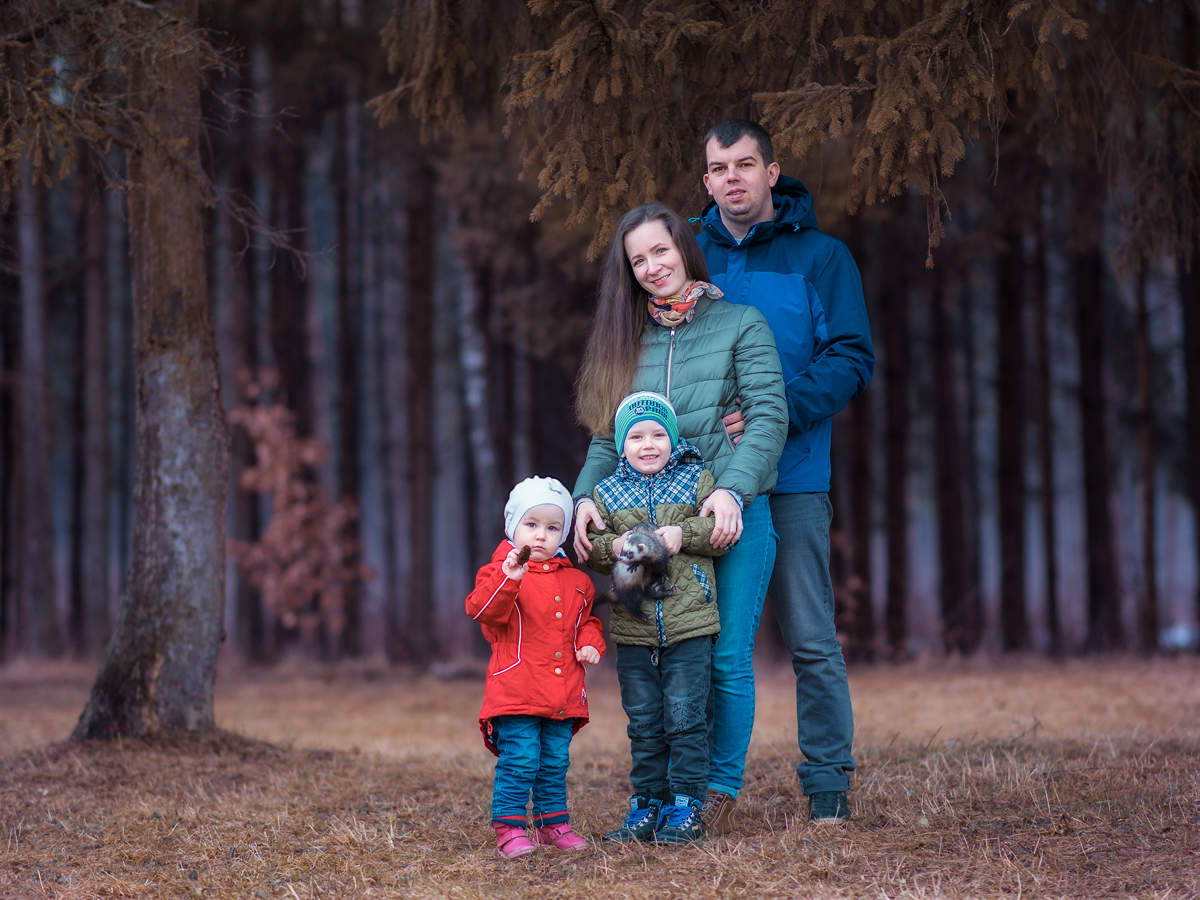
[560,836]
[511,841]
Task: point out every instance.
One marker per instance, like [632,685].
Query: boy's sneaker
[511,841]
[560,836]
[640,823]
[828,807]
[680,823]
[717,813]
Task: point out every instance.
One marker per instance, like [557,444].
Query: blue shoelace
[638,816]
[676,815]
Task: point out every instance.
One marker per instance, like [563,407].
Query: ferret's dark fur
[640,570]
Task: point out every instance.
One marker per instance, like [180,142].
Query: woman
[660,326]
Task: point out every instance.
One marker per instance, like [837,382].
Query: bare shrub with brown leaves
[306,559]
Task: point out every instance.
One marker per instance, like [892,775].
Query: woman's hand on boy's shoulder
[586,514]
[727,517]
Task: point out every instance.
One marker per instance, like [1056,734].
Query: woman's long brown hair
[615,341]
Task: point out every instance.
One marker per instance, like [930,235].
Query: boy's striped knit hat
[640,407]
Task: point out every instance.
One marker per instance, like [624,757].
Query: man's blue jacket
[808,287]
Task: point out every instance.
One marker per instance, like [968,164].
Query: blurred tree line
[398,208]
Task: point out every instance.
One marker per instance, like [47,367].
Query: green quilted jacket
[726,351]
[670,497]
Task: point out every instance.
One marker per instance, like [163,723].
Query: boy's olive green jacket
[672,496]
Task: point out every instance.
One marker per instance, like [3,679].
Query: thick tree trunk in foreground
[157,674]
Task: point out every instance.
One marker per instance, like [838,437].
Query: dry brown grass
[975,780]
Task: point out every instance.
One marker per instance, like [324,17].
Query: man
[763,247]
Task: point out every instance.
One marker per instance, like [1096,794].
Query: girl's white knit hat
[534,491]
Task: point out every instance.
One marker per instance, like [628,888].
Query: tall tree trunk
[239,355]
[1148,599]
[858,514]
[290,301]
[345,174]
[1103,616]
[1010,440]
[93,567]
[157,674]
[973,613]
[896,377]
[37,604]
[76,591]
[855,432]
[290,304]
[376,350]
[1189,296]
[474,301]
[124,399]
[10,550]
[419,299]
[1041,297]
[947,450]
[392,339]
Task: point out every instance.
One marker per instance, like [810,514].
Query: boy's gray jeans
[665,694]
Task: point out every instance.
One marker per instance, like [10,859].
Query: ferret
[640,570]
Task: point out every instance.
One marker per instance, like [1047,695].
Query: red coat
[534,626]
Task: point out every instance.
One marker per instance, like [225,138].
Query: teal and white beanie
[644,406]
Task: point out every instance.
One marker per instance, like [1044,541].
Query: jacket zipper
[660,623]
[670,357]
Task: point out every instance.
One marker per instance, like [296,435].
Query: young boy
[663,658]
[536,612]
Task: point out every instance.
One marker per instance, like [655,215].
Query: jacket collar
[684,452]
[793,212]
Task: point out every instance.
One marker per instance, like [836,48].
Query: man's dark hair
[731,131]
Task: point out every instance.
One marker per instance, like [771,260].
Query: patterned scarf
[671,311]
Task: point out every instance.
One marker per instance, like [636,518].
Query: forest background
[374,226]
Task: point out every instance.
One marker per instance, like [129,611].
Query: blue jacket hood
[793,212]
